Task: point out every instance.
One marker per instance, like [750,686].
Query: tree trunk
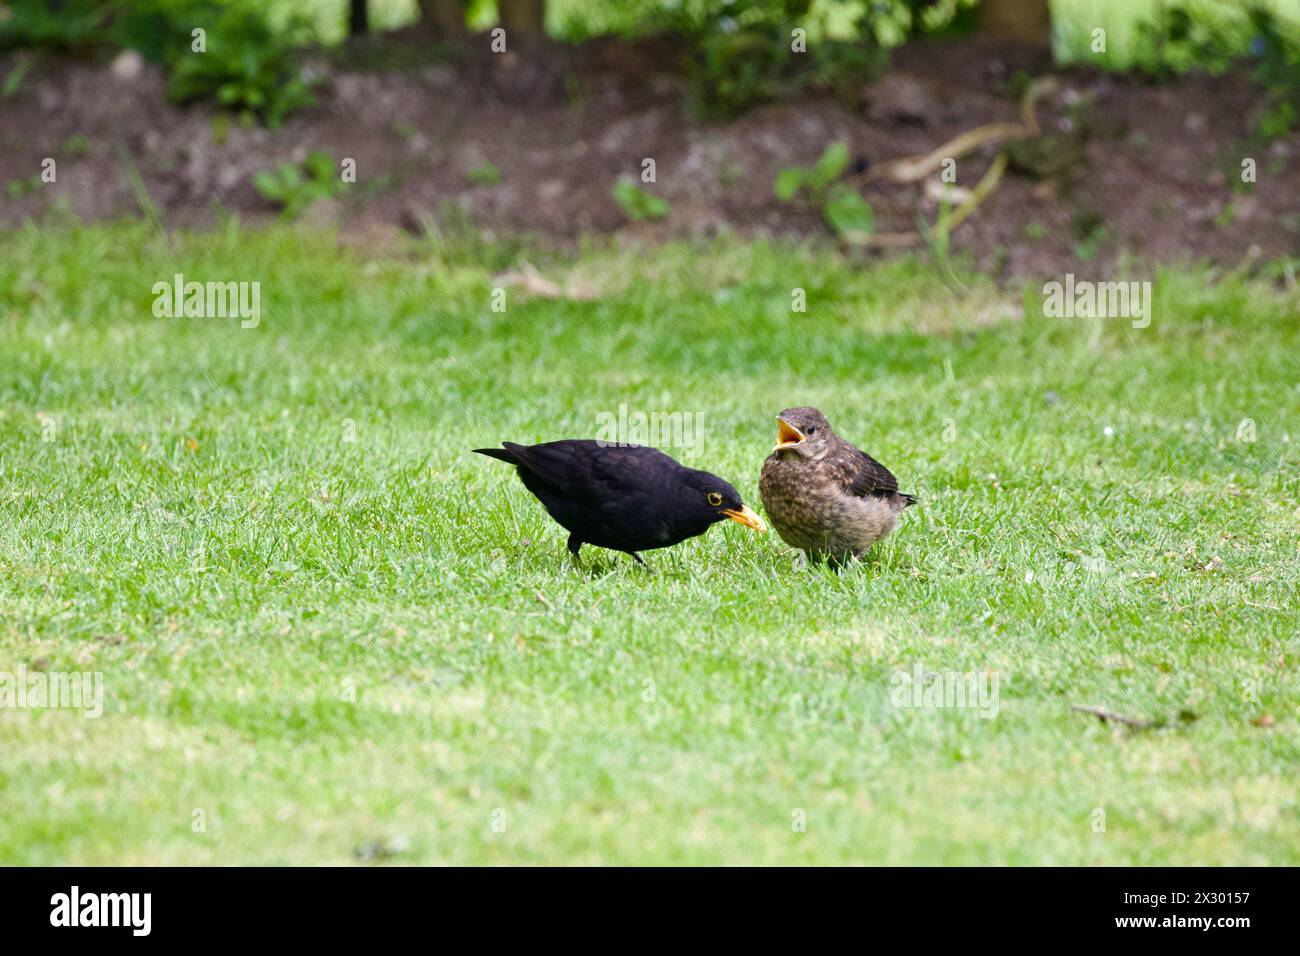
[1027,20]
[358,18]
[526,17]
[444,18]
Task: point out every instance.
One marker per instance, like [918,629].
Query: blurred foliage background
[67,23]
[735,54]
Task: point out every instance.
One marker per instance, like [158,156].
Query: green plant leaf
[485,174]
[267,186]
[636,203]
[319,165]
[14,78]
[789,182]
[848,213]
[829,166]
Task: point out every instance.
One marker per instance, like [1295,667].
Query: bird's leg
[843,559]
[638,559]
[574,546]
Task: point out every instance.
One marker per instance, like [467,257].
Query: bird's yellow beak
[787,436]
[745,516]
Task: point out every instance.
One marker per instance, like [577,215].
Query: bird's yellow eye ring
[715,499]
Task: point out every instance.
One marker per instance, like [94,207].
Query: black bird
[624,497]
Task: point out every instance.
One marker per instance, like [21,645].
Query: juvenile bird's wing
[862,475]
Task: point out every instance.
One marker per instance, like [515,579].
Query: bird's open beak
[787,436]
[745,516]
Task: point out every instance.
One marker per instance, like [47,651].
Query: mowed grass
[376,649]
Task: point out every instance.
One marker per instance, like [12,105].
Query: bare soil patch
[1154,177]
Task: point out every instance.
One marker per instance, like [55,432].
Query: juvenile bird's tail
[501,454]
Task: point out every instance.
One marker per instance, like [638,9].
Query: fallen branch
[897,240]
[1110,716]
[910,169]
[988,182]
[533,282]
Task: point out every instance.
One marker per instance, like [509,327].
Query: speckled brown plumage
[823,495]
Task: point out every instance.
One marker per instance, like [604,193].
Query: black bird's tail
[501,454]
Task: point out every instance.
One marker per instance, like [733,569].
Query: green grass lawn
[340,649]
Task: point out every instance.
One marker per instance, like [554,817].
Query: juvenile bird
[822,494]
[625,497]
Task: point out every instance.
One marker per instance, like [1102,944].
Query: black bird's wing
[558,463]
[589,469]
[595,473]
[564,465]
[608,495]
